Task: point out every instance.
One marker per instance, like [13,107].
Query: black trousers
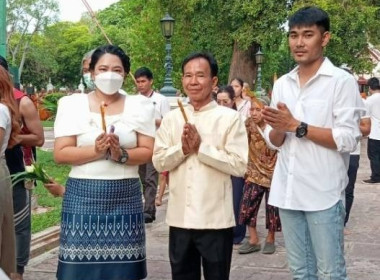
[237,195]
[22,220]
[352,172]
[188,248]
[373,152]
[149,179]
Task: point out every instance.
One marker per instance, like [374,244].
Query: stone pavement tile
[249,273]
[43,267]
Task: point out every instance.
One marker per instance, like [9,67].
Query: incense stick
[102,113]
[182,110]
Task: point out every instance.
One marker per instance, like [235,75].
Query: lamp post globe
[167,29]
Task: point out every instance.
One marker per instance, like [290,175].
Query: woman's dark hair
[231,93]
[373,83]
[208,56]
[308,16]
[111,49]
[3,62]
[240,81]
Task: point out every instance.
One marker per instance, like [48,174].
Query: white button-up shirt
[161,105]
[373,106]
[308,176]
[200,189]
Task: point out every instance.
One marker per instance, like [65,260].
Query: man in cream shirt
[201,155]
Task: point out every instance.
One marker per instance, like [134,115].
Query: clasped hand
[108,143]
[280,118]
[191,140]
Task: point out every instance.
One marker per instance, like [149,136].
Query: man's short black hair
[208,56]
[373,83]
[3,62]
[308,16]
[144,72]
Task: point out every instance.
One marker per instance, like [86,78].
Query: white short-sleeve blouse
[74,118]
[5,123]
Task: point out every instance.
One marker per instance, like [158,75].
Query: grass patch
[44,198]
[47,123]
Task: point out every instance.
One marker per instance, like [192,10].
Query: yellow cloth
[200,189]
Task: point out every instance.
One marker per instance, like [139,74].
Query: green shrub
[50,102]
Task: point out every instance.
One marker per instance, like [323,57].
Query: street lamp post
[167,28]
[259,56]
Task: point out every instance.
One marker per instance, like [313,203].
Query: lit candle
[182,110]
[102,113]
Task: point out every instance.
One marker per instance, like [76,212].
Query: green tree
[68,42]
[351,32]
[25,18]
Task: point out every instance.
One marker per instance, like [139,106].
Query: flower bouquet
[32,172]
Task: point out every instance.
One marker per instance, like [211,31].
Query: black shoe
[370,181]
[149,218]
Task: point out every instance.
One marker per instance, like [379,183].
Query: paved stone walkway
[362,244]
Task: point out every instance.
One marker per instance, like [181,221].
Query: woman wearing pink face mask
[102,229]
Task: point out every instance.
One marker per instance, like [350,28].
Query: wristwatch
[301,130]
[123,157]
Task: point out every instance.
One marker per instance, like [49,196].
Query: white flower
[29,168]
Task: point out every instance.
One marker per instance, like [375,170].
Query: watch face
[124,156]
[301,130]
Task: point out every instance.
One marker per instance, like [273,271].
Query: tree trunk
[21,67]
[243,64]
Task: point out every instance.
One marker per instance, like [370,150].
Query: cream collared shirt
[200,189]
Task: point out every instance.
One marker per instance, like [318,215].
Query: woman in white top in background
[242,105]
[9,128]
[102,229]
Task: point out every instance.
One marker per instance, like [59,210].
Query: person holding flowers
[9,129]
[104,136]
[17,157]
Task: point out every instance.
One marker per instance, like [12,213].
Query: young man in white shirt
[148,174]
[314,115]
[373,148]
[201,154]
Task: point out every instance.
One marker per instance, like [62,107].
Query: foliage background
[55,49]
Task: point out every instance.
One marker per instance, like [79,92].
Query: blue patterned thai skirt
[102,231]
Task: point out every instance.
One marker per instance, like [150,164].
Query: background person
[103,200]
[225,97]
[85,70]
[261,162]
[9,129]
[373,147]
[17,157]
[242,105]
[148,174]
